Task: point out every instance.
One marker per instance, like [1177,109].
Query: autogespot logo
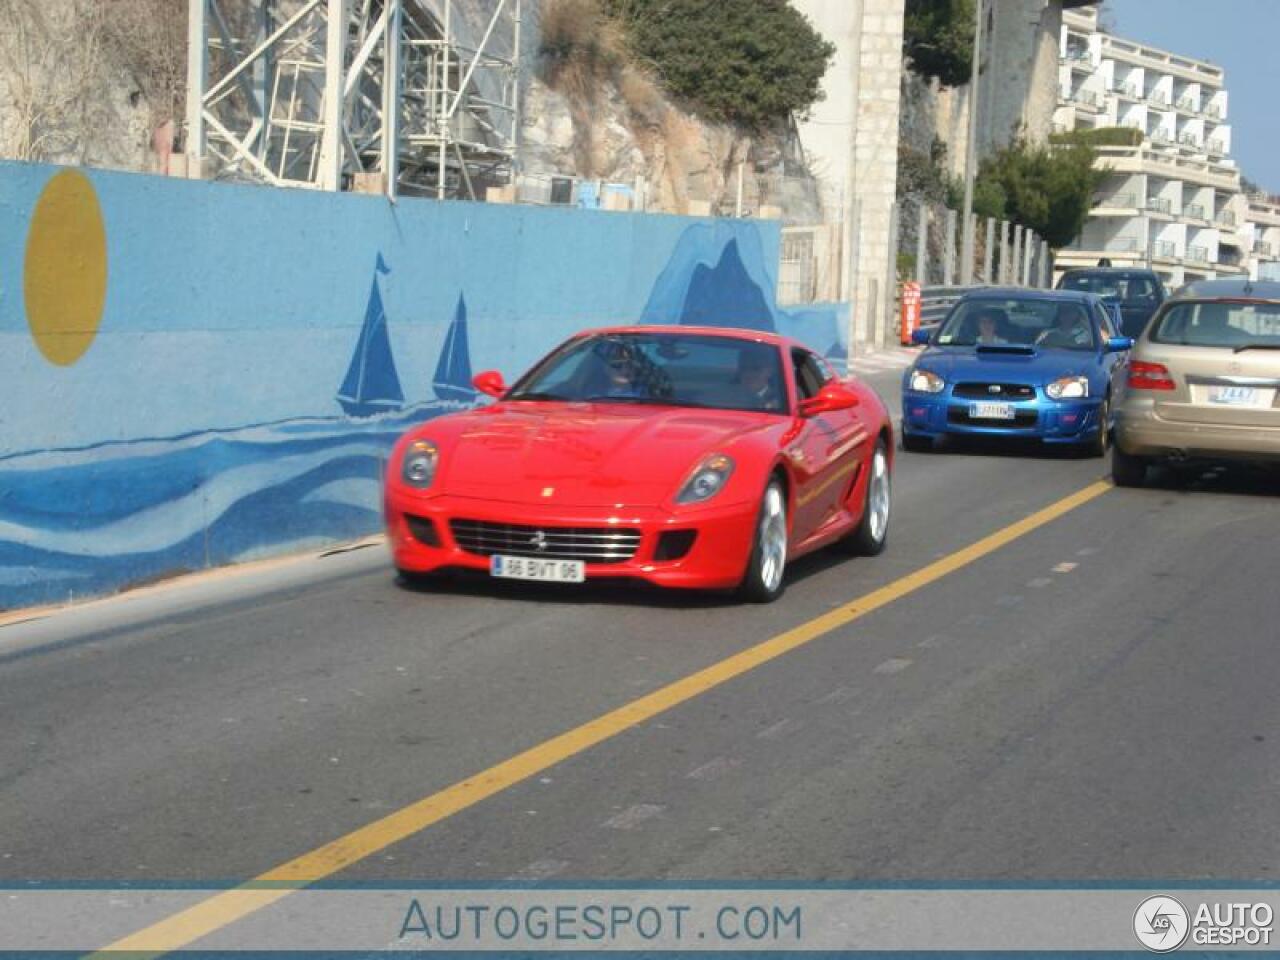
[1161,923]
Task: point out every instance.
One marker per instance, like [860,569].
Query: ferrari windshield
[660,368]
[1044,324]
[1221,323]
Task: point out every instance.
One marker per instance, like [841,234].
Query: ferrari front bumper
[706,548]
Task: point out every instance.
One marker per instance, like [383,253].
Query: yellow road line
[224,908]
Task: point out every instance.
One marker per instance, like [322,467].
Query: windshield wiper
[1256,346]
[538,395]
[606,398]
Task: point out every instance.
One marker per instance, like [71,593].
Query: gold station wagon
[1204,380]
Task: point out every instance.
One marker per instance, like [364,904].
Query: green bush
[1047,189]
[1100,137]
[938,39]
[747,62]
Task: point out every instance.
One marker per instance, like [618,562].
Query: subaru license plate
[533,568]
[991,411]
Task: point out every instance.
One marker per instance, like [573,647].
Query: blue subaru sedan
[1042,364]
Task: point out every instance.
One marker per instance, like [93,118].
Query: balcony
[1188,104]
[1158,100]
[1164,249]
[1087,98]
[1194,211]
[1265,250]
[1160,205]
[1129,91]
[1117,200]
[1162,137]
[1198,255]
[1215,148]
[1226,219]
[1190,140]
[1214,112]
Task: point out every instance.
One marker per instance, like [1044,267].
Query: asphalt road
[1097,699]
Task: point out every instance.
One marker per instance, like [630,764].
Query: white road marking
[540,870]
[1065,567]
[892,665]
[838,695]
[713,768]
[1040,582]
[634,815]
[781,728]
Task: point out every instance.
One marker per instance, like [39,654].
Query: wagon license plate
[532,568]
[991,411]
[1233,396]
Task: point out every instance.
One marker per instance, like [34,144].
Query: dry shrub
[580,48]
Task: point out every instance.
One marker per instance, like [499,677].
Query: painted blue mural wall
[253,353]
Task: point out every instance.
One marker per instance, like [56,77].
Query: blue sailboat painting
[453,373]
[372,385]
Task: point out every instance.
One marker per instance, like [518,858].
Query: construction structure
[395,96]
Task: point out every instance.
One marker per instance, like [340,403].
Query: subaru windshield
[1040,324]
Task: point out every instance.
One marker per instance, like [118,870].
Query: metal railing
[1160,205]
[1190,140]
[1088,98]
[1188,104]
[1227,219]
[1164,249]
[1198,254]
[1194,211]
[1264,250]
[1116,200]
[1157,99]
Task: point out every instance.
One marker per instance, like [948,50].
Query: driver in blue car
[1070,329]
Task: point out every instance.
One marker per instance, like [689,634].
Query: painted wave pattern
[84,522]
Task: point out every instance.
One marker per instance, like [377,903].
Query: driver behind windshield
[1070,329]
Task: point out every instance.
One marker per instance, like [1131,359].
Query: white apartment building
[1172,202]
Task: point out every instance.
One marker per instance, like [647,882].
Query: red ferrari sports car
[684,456]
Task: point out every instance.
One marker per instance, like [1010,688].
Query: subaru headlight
[418,469]
[925,381]
[707,479]
[1068,388]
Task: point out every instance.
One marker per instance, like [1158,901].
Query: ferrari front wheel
[763,582]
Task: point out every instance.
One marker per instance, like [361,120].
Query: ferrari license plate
[532,568]
[991,411]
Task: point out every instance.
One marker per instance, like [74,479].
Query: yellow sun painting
[65,271]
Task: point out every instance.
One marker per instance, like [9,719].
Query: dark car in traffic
[1138,292]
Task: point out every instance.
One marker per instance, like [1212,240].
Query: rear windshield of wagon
[1229,324]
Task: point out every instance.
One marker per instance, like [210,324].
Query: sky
[1241,37]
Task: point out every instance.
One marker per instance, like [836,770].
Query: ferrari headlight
[418,468]
[1068,388]
[925,381]
[707,479]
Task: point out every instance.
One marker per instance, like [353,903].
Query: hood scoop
[1009,350]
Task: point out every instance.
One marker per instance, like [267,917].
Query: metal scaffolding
[413,96]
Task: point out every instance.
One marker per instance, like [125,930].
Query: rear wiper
[537,395]
[1257,346]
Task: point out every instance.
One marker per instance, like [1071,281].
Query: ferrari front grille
[588,544]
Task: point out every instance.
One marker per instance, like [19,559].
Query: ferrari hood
[584,454]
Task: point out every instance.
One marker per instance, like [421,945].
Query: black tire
[868,539]
[917,444]
[1127,470]
[1100,445]
[760,584]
